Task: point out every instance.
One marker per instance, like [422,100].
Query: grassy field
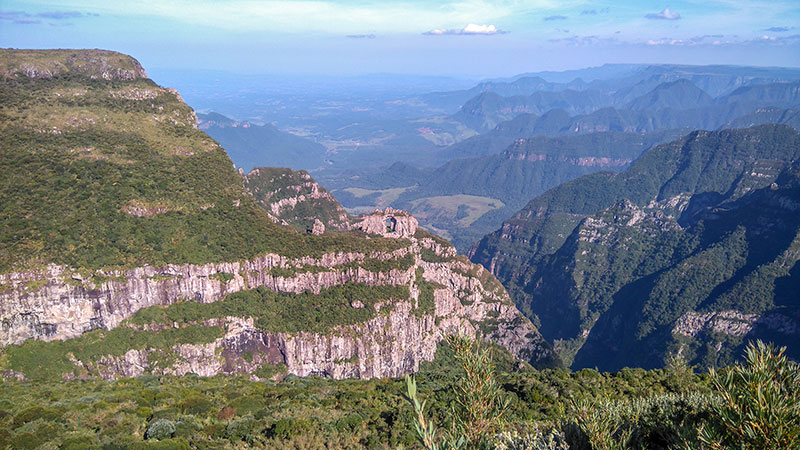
[462,209]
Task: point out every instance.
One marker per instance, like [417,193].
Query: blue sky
[470,38]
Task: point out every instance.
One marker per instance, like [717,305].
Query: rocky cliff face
[293,198]
[57,303]
[390,222]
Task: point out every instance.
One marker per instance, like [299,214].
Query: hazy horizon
[464,39]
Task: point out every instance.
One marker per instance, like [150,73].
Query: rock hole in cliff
[391,224]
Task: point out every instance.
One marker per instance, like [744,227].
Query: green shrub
[426,304]
[246,404]
[482,402]
[186,427]
[660,421]
[222,277]
[168,444]
[25,440]
[267,371]
[195,404]
[479,406]
[160,429]
[287,428]
[430,256]
[240,429]
[350,423]
[79,441]
[531,439]
[166,413]
[760,406]
[37,412]
[144,411]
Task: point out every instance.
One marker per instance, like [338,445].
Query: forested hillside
[690,251]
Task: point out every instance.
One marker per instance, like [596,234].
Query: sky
[461,38]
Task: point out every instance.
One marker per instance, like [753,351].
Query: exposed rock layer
[58,303]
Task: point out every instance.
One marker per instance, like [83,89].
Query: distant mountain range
[667,105]
[474,184]
[380,130]
[691,251]
[626,81]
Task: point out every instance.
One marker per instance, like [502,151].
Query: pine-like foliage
[480,402]
[760,406]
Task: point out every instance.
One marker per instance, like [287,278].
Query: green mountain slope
[665,257]
[737,268]
[114,172]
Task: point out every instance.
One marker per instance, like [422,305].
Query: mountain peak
[678,94]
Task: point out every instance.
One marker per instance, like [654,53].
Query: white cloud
[480,29]
[666,14]
[471,29]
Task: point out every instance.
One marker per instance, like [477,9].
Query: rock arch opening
[391,224]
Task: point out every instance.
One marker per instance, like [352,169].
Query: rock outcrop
[293,198]
[390,222]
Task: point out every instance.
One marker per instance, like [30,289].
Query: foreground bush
[760,403]
[752,406]
[551,409]
[532,439]
[479,406]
